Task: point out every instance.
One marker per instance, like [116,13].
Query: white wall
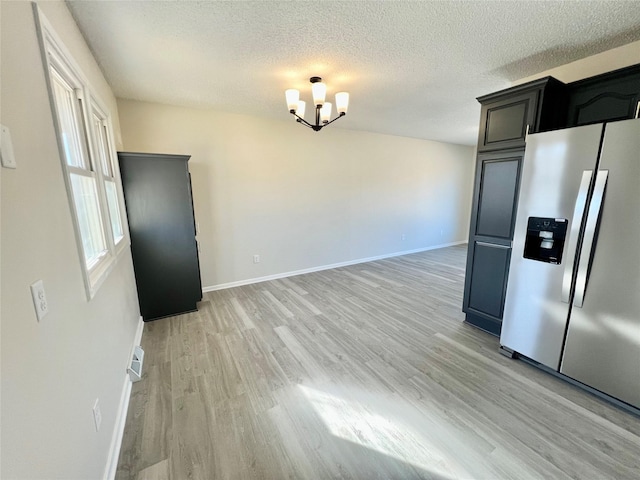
[303,199]
[604,62]
[53,371]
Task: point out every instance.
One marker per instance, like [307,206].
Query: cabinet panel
[605,107]
[605,98]
[503,123]
[489,273]
[496,205]
[506,122]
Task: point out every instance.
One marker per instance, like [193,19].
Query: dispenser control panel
[545,239]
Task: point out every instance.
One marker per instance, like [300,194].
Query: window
[100,126]
[85,142]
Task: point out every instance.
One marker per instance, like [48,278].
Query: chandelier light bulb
[342,102]
[293,96]
[319,91]
[302,105]
[325,112]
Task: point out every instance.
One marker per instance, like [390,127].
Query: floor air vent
[135,370]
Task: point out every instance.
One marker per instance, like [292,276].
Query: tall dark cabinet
[506,118]
[157,191]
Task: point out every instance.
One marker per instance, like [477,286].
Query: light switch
[6,148]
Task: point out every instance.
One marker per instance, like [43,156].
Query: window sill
[98,276]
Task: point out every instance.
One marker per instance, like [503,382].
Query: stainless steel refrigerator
[573,297]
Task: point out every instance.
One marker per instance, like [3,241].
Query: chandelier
[323,109]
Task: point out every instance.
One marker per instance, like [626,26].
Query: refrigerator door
[603,342]
[556,175]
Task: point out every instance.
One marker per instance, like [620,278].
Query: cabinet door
[489,272]
[605,98]
[503,123]
[496,206]
[493,216]
[495,196]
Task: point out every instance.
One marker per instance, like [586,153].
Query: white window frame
[108,162]
[97,156]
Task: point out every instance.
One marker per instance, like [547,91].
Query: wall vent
[135,370]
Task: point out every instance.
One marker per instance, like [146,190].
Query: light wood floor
[361,372]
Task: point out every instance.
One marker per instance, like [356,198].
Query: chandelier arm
[318,126]
[342,114]
[302,120]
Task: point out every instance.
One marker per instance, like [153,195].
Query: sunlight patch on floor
[392,428]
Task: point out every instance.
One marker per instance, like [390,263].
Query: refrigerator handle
[586,254]
[578,212]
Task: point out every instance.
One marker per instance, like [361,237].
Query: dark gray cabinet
[506,116]
[490,234]
[505,119]
[609,97]
[157,191]
[504,123]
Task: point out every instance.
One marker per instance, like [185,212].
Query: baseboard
[276,276]
[121,417]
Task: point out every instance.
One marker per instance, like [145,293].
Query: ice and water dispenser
[545,239]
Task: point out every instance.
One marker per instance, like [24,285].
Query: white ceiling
[412,68]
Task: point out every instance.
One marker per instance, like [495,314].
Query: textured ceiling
[412,68]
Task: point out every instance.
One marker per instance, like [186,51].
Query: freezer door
[603,342]
[555,183]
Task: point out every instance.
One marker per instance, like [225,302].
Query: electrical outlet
[39,299]
[97,414]
[256,259]
[403,237]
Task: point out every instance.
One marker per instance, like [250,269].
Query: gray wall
[302,199]
[53,371]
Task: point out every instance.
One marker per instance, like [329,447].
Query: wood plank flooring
[361,372]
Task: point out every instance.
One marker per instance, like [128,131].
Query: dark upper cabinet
[503,123]
[507,115]
[157,191]
[605,98]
